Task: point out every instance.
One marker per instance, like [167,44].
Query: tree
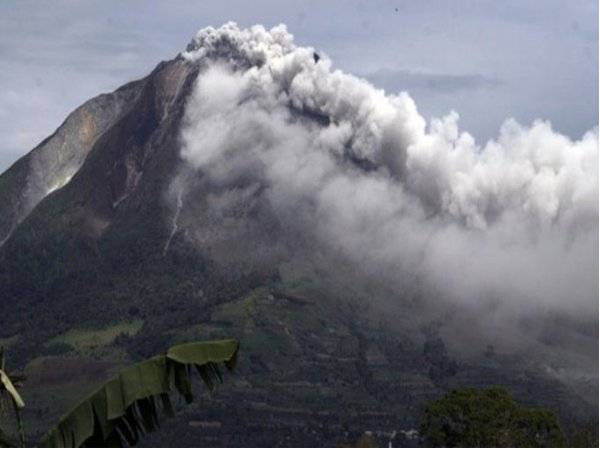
[125,407]
[487,418]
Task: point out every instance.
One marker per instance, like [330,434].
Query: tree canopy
[488,418]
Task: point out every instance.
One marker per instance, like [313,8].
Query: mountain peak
[248,189]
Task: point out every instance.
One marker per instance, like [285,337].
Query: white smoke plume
[273,126]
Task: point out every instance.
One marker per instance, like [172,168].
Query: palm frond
[126,407]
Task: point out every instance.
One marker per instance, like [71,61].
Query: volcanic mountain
[245,189]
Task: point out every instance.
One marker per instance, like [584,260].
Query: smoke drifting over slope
[273,127]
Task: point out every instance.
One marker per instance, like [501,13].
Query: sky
[486,60]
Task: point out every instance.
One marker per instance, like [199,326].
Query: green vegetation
[124,408]
[7,342]
[488,418]
[585,435]
[244,308]
[85,339]
[9,394]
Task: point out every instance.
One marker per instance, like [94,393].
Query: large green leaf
[126,406]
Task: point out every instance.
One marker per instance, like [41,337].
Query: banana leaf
[6,384]
[120,411]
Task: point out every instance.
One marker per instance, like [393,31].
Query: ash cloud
[294,156]
[436,82]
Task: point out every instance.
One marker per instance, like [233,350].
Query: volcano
[185,206]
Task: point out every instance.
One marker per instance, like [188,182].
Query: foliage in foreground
[488,418]
[9,394]
[125,407]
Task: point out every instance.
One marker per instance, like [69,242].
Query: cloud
[72,51]
[409,80]
[306,159]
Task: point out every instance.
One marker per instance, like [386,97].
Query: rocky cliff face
[53,162]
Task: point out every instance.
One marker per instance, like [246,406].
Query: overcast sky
[487,60]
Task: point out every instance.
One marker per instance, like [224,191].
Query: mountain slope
[54,161]
[68,226]
[100,267]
